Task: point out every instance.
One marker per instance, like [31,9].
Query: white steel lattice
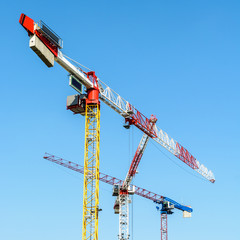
[164,235]
[113,99]
[123,217]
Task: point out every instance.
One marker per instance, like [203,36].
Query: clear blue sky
[176,59]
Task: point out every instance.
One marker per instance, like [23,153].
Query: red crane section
[139,153]
[50,39]
[137,119]
[186,156]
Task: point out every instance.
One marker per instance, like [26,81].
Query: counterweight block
[41,50]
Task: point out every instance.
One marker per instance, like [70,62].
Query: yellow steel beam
[91,173]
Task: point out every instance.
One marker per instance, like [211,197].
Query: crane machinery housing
[47,45]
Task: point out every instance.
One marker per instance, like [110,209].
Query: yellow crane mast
[91,163]
[91,173]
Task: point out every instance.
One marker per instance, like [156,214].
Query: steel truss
[123,216]
[164,235]
[91,173]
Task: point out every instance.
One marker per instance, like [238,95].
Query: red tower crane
[167,204]
[123,191]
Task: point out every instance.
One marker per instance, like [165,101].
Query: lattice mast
[91,163]
[123,199]
[125,189]
[164,232]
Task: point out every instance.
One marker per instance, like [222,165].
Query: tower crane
[123,191]
[47,45]
[167,203]
[167,208]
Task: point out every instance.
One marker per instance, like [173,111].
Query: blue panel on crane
[178,205]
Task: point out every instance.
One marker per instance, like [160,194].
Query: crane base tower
[91,173]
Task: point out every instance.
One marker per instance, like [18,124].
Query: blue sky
[178,60]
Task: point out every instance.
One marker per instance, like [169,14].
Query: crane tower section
[123,215]
[91,173]
[91,163]
[164,235]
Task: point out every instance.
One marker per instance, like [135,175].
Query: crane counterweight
[41,50]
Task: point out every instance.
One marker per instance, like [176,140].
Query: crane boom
[133,116]
[138,155]
[115,181]
[136,160]
[107,95]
